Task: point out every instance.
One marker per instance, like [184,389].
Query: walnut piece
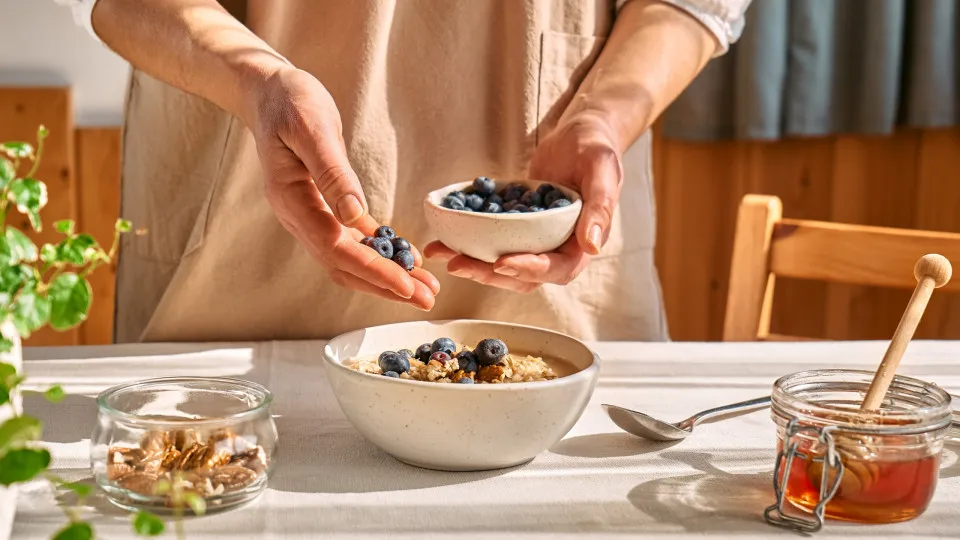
[491,374]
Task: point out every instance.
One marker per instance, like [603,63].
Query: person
[264,138]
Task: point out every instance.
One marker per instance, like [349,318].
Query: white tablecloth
[330,483]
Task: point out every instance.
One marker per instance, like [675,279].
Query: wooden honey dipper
[932,272]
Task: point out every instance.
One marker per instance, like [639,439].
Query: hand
[582,154]
[315,193]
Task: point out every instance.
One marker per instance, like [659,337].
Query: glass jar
[837,462]
[158,439]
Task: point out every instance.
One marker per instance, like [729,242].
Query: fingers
[368,265]
[600,188]
[481,272]
[560,267]
[436,250]
[319,146]
[421,299]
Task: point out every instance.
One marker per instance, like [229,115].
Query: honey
[836,462]
[870,491]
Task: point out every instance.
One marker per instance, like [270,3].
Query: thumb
[325,157]
[600,189]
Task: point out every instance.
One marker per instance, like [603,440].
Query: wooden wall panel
[98,178]
[907,180]
[22,110]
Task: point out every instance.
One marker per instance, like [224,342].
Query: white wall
[41,46]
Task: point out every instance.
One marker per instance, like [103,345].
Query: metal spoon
[648,427]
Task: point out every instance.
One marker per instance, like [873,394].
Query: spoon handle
[703,415]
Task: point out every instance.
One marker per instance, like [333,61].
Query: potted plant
[40,286]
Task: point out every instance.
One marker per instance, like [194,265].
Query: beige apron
[430,92]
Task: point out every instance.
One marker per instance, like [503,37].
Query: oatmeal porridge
[445,361]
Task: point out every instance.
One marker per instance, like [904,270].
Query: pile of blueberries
[488,352]
[515,198]
[390,246]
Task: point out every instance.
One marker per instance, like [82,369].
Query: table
[598,482]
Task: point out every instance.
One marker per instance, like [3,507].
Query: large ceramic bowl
[487,237]
[461,427]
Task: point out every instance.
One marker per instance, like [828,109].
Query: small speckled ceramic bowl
[488,237]
[461,427]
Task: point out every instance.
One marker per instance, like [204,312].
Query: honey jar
[835,461]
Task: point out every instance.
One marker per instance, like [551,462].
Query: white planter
[8,496]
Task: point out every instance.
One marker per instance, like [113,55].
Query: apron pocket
[565,60]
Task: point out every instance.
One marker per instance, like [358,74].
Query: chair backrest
[766,245]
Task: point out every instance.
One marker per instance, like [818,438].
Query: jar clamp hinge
[832,466]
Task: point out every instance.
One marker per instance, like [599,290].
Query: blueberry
[452,203]
[531,198]
[513,192]
[444,344]
[391,361]
[465,380]
[490,352]
[560,203]
[423,353]
[537,209]
[509,205]
[468,209]
[407,354]
[367,241]
[495,199]
[385,232]
[484,186]
[405,259]
[491,208]
[400,244]
[474,201]
[514,211]
[467,361]
[441,357]
[520,208]
[383,246]
[458,195]
[393,374]
[555,195]
[543,189]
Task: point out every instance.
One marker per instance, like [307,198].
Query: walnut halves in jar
[150,443]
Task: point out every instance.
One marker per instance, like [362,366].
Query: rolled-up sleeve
[724,18]
[82,13]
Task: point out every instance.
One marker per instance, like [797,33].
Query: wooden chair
[766,246]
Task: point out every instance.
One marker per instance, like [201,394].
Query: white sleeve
[82,13]
[724,18]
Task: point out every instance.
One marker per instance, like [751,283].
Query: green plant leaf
[55,394]
[81,489]
[77,250]
[14,278]
[48,253]
[7,172]
[64,225]
[30,312]
[77,530]
[22,464]
[123,226]
[8,376]
[196,503]
[30,196]
[147,524]
[70,301]
[17,149]
[5,345]
[18,430]
[15,247]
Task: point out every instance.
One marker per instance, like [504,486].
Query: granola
[444,361]
[221,463]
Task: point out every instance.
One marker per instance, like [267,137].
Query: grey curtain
[817,67]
